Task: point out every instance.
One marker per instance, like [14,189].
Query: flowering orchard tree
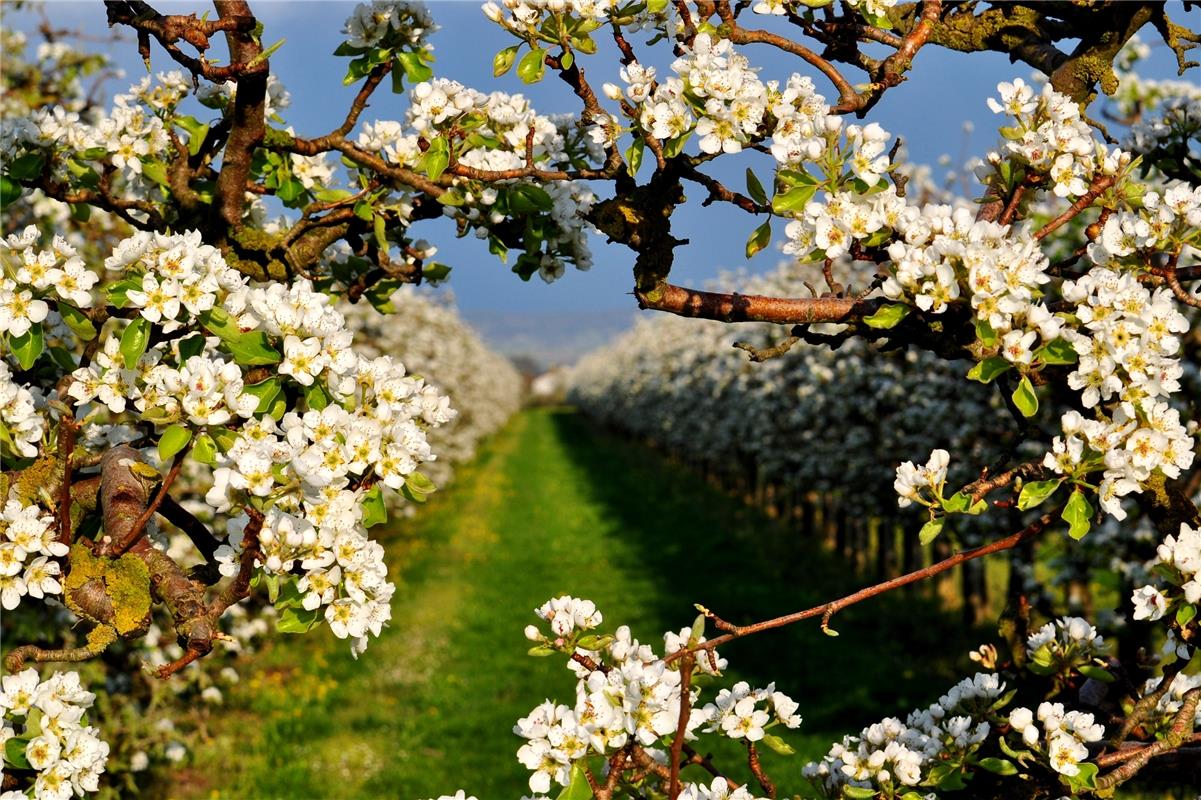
[156,324]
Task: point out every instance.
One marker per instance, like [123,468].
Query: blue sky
[945,90]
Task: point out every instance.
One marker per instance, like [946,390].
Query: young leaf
[77,321]
[1035,492]
[759,239]
[174,439]
[1059,351]
[134,340]
[28,346]
[414,68]
[754,188]
[794,199]
[888,316]
[987,370]
[374,510]
[298,620]
[1024,397]
[532,66]
[503,62]
[204,450]
[998,766]
[778,745]
[1078,514]
[931,529]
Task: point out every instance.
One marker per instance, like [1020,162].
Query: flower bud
[532,633]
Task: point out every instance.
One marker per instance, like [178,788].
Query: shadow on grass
[892,653]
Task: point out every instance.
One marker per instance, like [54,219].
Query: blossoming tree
[158,324]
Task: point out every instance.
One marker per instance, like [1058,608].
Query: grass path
[550,507]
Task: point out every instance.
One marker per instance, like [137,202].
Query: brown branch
[752,758]
[68,431]
[827,610]
[1178,734]
[1095,189]
[247,121]
[139,525]
[169,29]
[752,308]
[677,744]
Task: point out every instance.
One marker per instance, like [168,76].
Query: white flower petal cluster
[732,97]
[1129,367]
[19,417]
[48,718]
[892,754]
[436,343]
[1178,560]
[718,789]
[28,546]
[625,694]
[1068,638]
[501,124]
[32,275]
[912,480]
[1063,737]
[1170,703]
[1051,137]
[388,23]
[741,712]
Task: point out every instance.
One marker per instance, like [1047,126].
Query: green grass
[553,506]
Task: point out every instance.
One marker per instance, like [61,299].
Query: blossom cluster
[1127,347]
[388,23]
[46,736]
[1178,560]
[892,754]
[1064,736]
[912,480]
[627,695]
[505,128]
[28,543]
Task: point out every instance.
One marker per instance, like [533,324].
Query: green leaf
[960,503]
[526,198]
[675,145]
[656,6]
[532,66]
[414,67]
[380,295]
[759,239]
[778,745]
[1059,351]
[290,192]
[1185,614]
[435,271]
[14,752]
[28,346]
[218,322]
[754,188]
[10,192]
[503,61]
[1078,514]
[985,333]
[888,316]
[374,510]
[986,371]
[412,496]
[117,292]
[155,171]
[298,620]
[541,651]
[998,766]
[595,642]
[437,158]
[1097,673]
[134,339]
[316,396]
[931,529]
[379,227]
[634,155]
[174,439]
[80,212]
[858,792]
[578,788]
[204,450]
[452,197]
[420,483]
[77,321]
[266,391]
[26,167]
[253,349]
[190,346]
[1086,778]
[566,60]
[1024,397]
[1035,492]
[794,199]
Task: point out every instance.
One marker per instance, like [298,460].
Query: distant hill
[548,338]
